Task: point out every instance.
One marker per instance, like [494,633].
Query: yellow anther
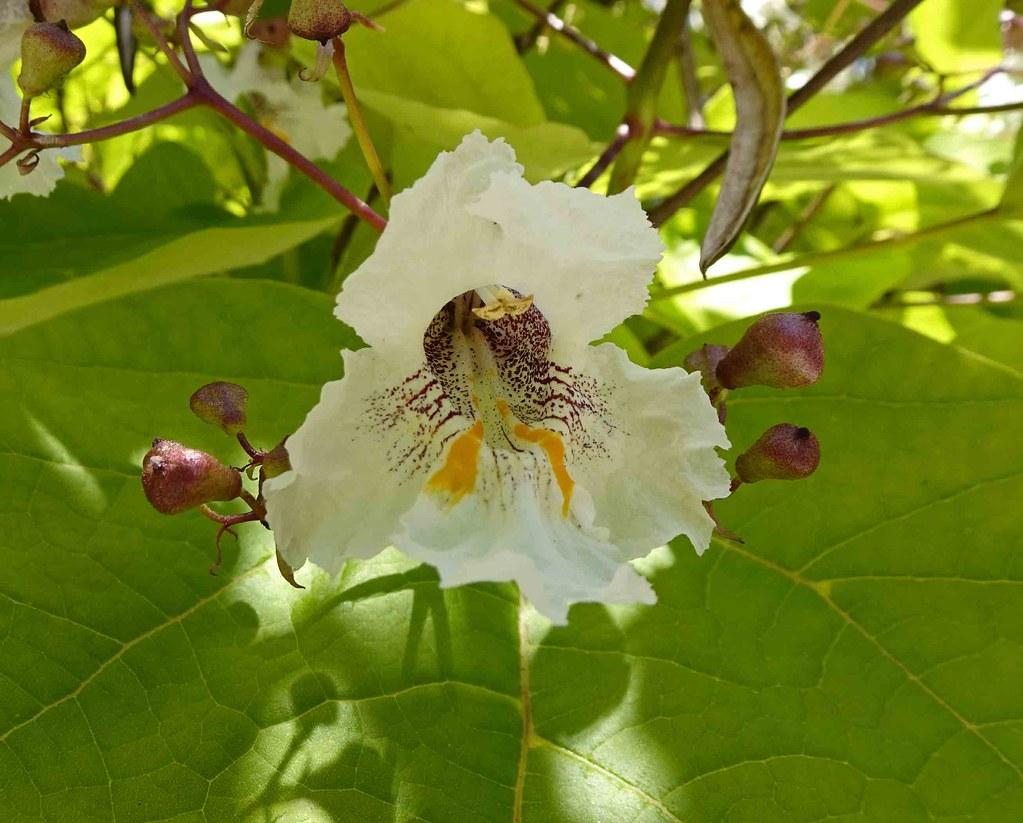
[499,302]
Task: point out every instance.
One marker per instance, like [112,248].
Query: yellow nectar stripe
[554,447]
[457,477]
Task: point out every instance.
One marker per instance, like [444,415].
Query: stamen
[499,302]
[324,55]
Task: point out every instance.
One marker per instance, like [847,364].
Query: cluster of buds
[782,351]
[176,478]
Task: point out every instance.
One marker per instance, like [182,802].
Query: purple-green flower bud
[319,20]
[705,360]
[783,351]
[221,404]
[48,52]
[783,452]
[176,478]
[276,461]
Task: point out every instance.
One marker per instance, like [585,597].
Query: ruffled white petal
[15,17]
[472,221]
[43,179]
[520,535]
[659,461]
[357,465]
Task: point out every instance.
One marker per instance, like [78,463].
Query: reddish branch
[616,64]
[845,57]
[199,93]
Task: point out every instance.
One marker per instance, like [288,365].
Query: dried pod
[221,404]
[48,52]
[783,351]
[783,452]
[176,478]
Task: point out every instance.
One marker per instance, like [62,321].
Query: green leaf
[953,35]
[546,150]
[78,248]
[439,54]
[827,668]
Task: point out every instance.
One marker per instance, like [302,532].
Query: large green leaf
[856,659]
[160,225]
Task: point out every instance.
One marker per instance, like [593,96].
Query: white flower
[43,179]
[293,111]
[15,17]
[480,432]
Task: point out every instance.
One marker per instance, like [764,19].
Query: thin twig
[271,141]
[845,57]
[616,64]
[606,158]
[833,129]
[687,75]
[997,297]
[185,39]
[9,154]
[818,258]
[524,42]
[369,151]
[25,115]
[644,91]
[788,237]
[161,42]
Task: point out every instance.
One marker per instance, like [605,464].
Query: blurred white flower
[294,111]
[481,432]
[42,180]
[15,17]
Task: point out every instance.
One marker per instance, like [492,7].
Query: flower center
[489,349]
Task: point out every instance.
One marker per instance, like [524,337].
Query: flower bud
[75,13]
[705,360]
[221,404]
[319,20]
[783,452]
[783,351]
[176,478]
[276,461]
[48,52]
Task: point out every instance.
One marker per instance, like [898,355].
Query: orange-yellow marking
[553,446]
[457,476]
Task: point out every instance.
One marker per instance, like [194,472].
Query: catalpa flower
[294,111]
[480,432]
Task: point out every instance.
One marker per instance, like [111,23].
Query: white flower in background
[43,179]
[293,111]
[480,432]
[15,17]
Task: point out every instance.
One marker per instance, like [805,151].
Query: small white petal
[358,467]
[659,461]
[42,180]
[15,17]
[472,221]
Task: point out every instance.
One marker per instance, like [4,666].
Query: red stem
[622,135]
[141,121]
[209,97]
[616,64]
[846,56]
